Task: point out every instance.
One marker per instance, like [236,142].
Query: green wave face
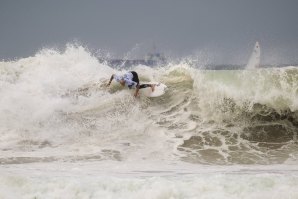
[240,116]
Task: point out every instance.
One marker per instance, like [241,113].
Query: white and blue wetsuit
[131,80]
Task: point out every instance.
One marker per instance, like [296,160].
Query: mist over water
[55,109]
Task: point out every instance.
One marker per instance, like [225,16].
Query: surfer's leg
[152,87]
[147,85]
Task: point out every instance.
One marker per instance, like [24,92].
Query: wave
[205,117]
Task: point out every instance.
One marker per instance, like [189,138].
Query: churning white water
[214,134]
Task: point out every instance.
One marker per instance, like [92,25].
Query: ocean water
[214,134]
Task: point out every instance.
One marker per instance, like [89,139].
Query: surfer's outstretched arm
[112,77]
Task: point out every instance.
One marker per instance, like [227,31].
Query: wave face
[55,106]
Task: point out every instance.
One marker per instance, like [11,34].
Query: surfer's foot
[152,87]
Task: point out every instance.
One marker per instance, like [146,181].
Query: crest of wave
[32,88]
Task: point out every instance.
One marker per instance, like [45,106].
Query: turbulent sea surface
[214,134]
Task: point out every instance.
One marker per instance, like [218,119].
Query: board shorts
[136,79]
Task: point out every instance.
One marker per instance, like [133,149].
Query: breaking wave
[55,106]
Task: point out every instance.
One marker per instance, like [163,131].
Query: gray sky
[225,30]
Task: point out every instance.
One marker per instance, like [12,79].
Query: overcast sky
[226,30]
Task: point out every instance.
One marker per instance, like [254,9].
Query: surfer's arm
[111,79]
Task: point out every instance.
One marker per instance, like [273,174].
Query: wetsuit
[131,80]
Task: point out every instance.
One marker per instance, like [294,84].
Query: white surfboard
[159,90]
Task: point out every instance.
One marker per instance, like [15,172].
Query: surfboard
[159,90]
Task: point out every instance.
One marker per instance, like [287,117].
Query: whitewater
[214,134]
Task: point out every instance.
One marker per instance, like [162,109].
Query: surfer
[131,80]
